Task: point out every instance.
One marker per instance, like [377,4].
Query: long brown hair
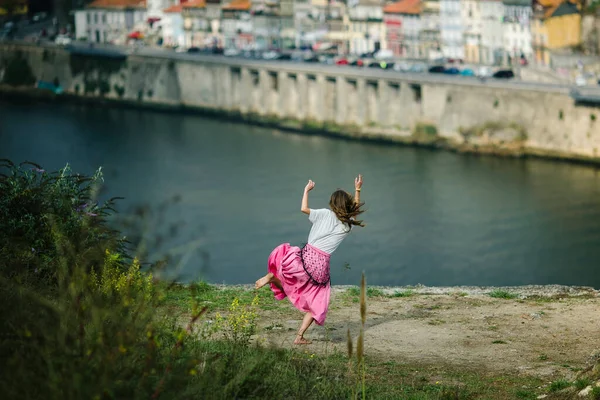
[345,208]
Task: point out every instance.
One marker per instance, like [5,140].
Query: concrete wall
[478,118]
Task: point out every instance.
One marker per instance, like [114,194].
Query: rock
[585,392]
[542,396]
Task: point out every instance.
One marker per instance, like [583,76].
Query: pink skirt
[285,262]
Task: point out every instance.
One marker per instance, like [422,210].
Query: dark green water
[434,218]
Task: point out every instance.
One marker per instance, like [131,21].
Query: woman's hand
[358,181]
[309,186]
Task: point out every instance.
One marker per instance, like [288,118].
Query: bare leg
[264,280]
[308,319]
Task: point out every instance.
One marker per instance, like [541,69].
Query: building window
[88,17]
[96,18]
[103,18]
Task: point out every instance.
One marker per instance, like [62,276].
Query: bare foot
[301,340]
[262,282]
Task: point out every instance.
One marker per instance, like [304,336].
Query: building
[517,30]
[202,23]
[173,33]
[429,35]
[109,21]
[236,24]
[556,25]
[403,25]
[492,32]
[366,30]
[266,22]
[451,29]
[472,27]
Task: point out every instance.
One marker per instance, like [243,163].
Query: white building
[236,24]
[366,30]
[451,29]
[403,28]
[156,8]
[109,21]
[492,32]
[517,28]
[173,33]
[472,26]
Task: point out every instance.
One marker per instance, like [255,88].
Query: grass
[559,384]
[403,293]
[543,357]
[499,342]
[502,294]
[595,393]
[582,383]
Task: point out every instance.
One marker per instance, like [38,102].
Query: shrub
[240,324]
[44,214]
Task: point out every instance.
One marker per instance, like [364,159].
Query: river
[433,217]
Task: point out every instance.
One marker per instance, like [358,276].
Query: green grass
[559,385]
[543,357]
[582,383]
[215,298]
[403,293]
[498,342]
[525,394]
[595,394]
[372,292]
[502,294]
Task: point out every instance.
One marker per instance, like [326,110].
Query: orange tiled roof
[117,4]
[238,5]
[550,6]
[174,9]
[412,7]
[194,4]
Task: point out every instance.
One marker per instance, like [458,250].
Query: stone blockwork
[474,118]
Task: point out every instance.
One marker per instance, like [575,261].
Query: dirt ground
[544,332]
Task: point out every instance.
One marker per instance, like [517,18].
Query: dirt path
[460,328]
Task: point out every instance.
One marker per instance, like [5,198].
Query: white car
[62,40]
[580,80]
[383,54]
[402,66]
[484,72]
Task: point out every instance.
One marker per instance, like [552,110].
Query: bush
[44,215]
[18,72]
[101,331]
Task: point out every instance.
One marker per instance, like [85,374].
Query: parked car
[231,53]
[381,65]
[418,68]
[383,54]
[192,50]
[62,40]
[312,58]
[402,67]
[357,62]
[270,55]
[467,72]
[436,69]
[484,72]
[452,71]
[504,74]
[341,61]
[580,80]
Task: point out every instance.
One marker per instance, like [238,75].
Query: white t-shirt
[327,231]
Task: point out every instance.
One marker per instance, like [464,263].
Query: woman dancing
[302,274]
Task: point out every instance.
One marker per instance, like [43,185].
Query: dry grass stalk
[349,344]
[363,299]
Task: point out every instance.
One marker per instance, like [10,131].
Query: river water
[434,217]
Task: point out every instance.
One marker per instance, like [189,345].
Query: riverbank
[487,343]
[424,137]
